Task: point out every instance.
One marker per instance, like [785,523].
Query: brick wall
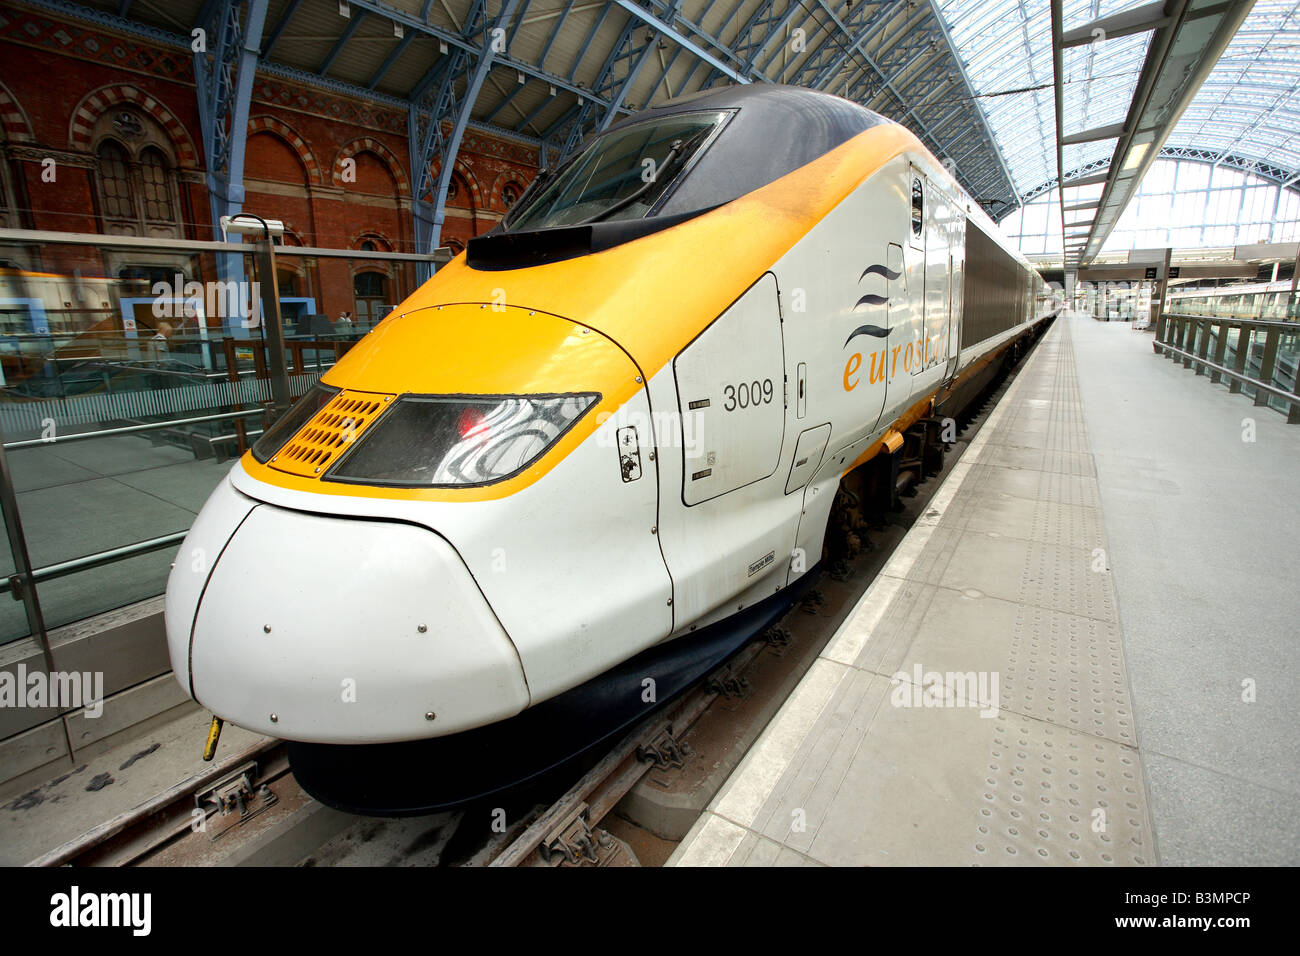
[334,168]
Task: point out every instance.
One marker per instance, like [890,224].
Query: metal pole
[272,325]
[1267,364]
[1244,336]
[1220,351]
[1163,286]
[21,580]
[1203,346]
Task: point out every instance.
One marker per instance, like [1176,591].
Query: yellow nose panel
[330,433]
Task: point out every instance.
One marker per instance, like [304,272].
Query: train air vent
[330,433]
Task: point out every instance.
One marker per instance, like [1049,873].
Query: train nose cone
[340,630]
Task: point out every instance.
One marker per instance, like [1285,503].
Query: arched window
[157,187]
[370,290]
[115,181]
[136,176]
[367,246]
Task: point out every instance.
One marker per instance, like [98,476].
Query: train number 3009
[748,394]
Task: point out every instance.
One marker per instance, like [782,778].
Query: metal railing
[1256,357]
[55,346]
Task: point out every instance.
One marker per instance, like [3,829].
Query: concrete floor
[1117,556]
[1203,529]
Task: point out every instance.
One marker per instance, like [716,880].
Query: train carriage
[619,420]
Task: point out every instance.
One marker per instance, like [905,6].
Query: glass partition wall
[132,373]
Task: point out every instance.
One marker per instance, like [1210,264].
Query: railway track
[234,790]
[567,832]
[247,808]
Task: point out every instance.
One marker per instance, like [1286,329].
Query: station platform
[1083,653]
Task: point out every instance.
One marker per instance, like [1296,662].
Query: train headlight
[458,440]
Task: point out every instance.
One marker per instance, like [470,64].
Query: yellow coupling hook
[214,734]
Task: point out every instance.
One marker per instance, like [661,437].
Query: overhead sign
[1268,251]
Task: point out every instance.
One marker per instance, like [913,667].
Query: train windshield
[620,175]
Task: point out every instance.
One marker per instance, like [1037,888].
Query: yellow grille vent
[330,433]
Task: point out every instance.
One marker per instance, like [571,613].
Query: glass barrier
[132,375]
[1286,367]
[1272,304]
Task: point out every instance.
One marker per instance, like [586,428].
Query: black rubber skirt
[556,736]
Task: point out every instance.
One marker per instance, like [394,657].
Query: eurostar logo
[871,299]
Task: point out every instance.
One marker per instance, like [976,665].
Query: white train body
[699,483]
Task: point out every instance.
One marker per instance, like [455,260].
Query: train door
[905,311]
[907,305]
[937,277]
[956,291]
[922,241]
[733,524]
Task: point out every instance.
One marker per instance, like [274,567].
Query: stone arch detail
[95,104]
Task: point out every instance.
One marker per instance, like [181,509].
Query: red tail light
[470,423]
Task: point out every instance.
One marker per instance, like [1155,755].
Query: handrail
[89,561]
[44,237]
[1187,337]
[127,429]
[1234,320]
[1281,393]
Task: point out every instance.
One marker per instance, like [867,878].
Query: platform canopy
[976,80]
[1213,80]
[552,72]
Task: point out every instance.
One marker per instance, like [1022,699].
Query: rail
[16,583]
[128,429]
[1189,338]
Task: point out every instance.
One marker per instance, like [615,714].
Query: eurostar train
[611,425]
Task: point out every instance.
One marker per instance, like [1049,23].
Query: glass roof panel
[1249,106]
[1006,46]
[1100,79]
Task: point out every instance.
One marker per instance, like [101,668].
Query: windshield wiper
[534,189]
[673,153]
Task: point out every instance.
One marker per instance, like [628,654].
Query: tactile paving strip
[1052,797]
[1064,579]
[1068,670]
